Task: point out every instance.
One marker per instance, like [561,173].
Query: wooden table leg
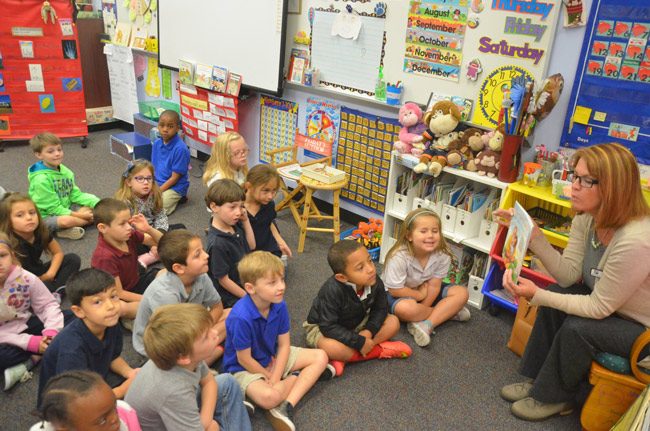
[304,220]
[335,210]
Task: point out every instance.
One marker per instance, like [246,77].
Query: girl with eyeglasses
[601,302]
[228,159]
[138,189]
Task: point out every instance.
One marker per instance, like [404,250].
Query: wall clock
[490,96]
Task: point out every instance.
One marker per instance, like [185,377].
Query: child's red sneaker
[339,366]
[394,349]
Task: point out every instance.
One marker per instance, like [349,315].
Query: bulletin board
[41,89]
[278,121]
[206,114]
[364,149]
[497,32]
[610,101]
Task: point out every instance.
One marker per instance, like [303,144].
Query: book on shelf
[234,84]
[517,240]
[186,72]
[298,65]
[293,171]
[203,76]
[219,79]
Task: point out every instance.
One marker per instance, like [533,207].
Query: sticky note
[582,115]
[600,116]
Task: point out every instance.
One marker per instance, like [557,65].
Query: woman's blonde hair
[619,184]
[125,194]
[219,161]
[407,228]
[6,205]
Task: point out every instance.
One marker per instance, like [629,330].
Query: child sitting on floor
[171,160]
[227,159]
[271,372]
[413,273]
[22,223]
[64,208]
[30,317]
[262,183]
[82,400]
[349,318]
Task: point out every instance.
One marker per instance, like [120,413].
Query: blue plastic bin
[374,252]
[493,282]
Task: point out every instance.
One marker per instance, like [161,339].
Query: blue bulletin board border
[609,103]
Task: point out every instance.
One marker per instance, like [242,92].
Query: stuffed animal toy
[462,151]
[487,163]
[48,11]
[543,102]
[410,135]
[442,118]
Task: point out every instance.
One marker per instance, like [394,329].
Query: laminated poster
[435,35]
[278,122]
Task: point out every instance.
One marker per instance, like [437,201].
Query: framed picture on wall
[294,6]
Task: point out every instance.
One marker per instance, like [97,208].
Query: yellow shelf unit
[542,197]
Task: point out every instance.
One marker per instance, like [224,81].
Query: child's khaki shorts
[313,333]
[244,378]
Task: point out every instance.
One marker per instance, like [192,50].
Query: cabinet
[463,228]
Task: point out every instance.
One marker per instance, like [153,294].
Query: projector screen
[245,36]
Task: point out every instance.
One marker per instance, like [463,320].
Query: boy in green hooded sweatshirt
[63,207]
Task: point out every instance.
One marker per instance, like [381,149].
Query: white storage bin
[487,232]
[474,287]
[448,217]
[420,203]
[400,204]
[436,207]
[467,223]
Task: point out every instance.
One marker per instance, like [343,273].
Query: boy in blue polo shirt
[271,372]
[171,160]
[93,341]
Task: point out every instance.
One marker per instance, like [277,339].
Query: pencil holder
[393,94]
[510,157]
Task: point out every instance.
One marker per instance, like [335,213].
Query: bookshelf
[462,229]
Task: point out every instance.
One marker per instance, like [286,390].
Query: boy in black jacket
[349,318]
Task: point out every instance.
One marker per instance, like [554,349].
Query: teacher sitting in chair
[602,300]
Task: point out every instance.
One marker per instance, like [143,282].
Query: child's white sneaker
[463,315]
[71,233]
[421,332]
[17,373]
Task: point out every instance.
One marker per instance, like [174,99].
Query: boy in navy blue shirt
[94,340]
[230,237]
[171,160]
[271,372]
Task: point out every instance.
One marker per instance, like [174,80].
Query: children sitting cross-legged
[349,317]
[81,400]
[64,208]
[178,339]
[271,372]
[116,251]
[230,237]
[186,280]
[413,272]
[94,340]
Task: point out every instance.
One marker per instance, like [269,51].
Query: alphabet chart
[364,148]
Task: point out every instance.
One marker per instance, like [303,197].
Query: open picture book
[517,240]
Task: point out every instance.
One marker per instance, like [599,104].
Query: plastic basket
[152,109]
[374,252]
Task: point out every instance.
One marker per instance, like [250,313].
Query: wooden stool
[310,211]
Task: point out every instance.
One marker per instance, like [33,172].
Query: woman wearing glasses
[602,300]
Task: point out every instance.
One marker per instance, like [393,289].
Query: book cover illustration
[517,240]
[139,39]
[219,79]
[186,72]
[234,84]
[203,76]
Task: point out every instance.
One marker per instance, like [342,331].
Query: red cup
[510,158]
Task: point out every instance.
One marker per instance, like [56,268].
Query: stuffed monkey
[442,118]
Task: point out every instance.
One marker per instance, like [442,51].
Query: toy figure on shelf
[487,161]
[442,118]
[48,11]
[410,135]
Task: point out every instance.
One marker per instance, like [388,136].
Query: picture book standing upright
[516,244]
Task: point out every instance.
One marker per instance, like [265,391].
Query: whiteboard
[246,36]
